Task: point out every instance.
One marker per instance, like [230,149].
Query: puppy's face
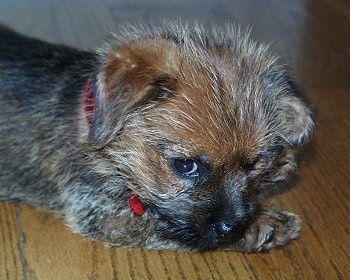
[194,129]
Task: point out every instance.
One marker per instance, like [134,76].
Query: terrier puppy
[163,139]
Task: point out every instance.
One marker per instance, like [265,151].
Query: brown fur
[213,98]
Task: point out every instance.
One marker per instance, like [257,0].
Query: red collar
[135,203]
[89,101]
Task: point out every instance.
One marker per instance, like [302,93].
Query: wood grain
[12,260]
[314,37]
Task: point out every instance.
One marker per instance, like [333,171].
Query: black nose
[224,228]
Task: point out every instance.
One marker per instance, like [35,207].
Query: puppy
[164,139]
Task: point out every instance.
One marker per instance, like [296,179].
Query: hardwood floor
[314,38]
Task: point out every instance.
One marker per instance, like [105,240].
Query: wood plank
[11,257]
[49,244]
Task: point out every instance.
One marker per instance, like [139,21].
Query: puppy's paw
[278,231]
[269,230]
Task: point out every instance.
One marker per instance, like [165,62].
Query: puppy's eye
[186,167]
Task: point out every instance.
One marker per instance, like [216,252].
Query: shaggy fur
[194,121]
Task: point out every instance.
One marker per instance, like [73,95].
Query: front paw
[269,230]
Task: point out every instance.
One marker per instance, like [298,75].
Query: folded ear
[130,76]
[295,117]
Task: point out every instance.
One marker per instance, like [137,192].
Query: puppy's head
[193,122]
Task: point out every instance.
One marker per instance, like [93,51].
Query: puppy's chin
[187,238]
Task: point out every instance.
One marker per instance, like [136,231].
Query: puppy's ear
[295,114]
[131,75]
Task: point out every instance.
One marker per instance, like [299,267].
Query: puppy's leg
[271,228]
